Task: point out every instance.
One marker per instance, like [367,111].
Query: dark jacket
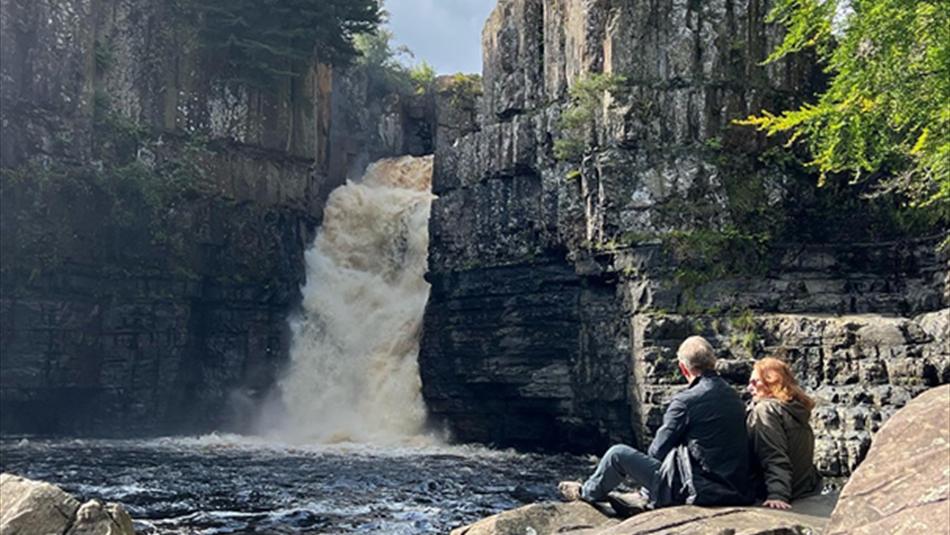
[783,447]
[703,447]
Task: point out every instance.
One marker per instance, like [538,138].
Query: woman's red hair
[776,376]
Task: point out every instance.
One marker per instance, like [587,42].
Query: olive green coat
[783,448]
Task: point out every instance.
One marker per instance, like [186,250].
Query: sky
[445,33]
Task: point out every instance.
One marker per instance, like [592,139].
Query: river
[230,484]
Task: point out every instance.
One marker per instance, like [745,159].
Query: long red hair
[776,378]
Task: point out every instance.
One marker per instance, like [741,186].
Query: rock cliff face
[562,281]
[154,216]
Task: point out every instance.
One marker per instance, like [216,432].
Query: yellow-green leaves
[885,115]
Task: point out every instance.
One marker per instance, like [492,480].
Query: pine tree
[267,39]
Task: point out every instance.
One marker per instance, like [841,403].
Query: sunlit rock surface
[807,517]
[558,296]
[903,486]
[542,519]
[35,507]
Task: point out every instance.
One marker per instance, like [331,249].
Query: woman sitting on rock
[781,438]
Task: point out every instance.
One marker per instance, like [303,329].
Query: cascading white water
[354,373]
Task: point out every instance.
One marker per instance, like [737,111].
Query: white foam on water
[354,373]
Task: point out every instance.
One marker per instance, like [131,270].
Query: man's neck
[690,378]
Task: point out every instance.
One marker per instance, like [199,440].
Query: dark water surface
[228,484]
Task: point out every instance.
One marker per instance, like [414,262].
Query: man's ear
[683,369]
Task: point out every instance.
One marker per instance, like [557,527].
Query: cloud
[445,33]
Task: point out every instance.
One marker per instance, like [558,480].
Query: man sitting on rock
[699,455]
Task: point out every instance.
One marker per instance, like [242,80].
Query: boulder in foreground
[903,485]
[808,517]
[576,518]
[36,508]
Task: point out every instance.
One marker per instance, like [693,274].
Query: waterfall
[354,373]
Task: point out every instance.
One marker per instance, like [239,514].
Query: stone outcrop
[32,507]
[123,303]
[562,284]
[807,517]
[155,215]
[860,369]
[542,519]
[903,486]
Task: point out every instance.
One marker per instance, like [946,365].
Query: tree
[885,116]
[268,39]
[385,71]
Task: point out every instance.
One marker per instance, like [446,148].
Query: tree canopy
[266,39]
[885,116]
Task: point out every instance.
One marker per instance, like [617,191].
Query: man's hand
[776,504]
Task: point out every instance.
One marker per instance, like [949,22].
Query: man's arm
[671,432]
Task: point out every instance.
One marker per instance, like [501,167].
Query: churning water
[354,372]
[348,455]
[217,485]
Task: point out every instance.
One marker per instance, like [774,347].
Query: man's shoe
[627,505]
[569,490]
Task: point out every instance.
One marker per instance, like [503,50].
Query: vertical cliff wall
[155,213]
[563,280]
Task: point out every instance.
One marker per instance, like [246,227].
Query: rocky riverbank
[607,207]
[903,487]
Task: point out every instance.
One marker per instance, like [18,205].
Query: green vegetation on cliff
[884,118]
[580,117]
[386,69]
[266,40]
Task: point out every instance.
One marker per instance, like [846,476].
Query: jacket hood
[798,411]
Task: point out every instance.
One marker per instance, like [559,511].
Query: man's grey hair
[696,354]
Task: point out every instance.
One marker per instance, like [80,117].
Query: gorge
[155,223]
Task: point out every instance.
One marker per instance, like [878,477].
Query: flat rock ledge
[808,517]
[36,508]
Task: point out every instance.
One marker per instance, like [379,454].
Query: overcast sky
[446,33]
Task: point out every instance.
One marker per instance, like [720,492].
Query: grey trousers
[621,462]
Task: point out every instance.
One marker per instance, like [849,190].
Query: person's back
[776,425]
[700,453]
[715,440]
[782,441]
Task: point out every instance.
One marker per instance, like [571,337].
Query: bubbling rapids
[354,373]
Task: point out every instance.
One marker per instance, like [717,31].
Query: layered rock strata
[562,283]
[155,213]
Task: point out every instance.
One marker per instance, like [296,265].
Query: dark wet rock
[177,322]
[903,485]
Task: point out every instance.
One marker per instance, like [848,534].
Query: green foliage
[884,118]
[423,78]
[104,54]
[587,100]
[266,40]
[745,331]
[703,256]
[744,321]
[385,69]
[466,86]
[381,63]
[126,206]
